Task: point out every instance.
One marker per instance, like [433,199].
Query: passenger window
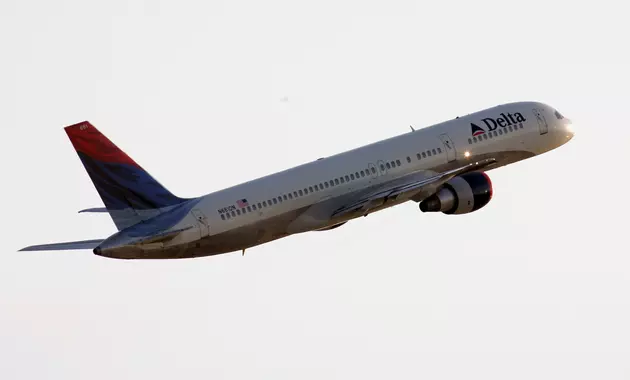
[275,201]
[520,125]
[254,207]
[382,167]
[510,128]
[434,152]
[301,192]
[310,189]
[264,203]
[223,216]
[388,167]
[290,196]
[485,137]
[495,133]
[424,155]
[469,141]
[238,212]
[233,214]
[393,164]
[347,179]
[500,131]
[408,160]
[474,139]
[326,184]
[418,155]
[429,153]
[336,181]
[285,197]
[341,178]
[332,183]
[398,162]
[295,194]
[440,150]
[228,216]
[259,206]
[490,135]
[352,177]
[373,170]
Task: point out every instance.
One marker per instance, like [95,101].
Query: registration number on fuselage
[227,209]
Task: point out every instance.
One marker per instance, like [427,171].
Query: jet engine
[463,194]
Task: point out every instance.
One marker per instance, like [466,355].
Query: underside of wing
[71,245]
[412,186]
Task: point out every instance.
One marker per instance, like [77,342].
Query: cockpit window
[559,115]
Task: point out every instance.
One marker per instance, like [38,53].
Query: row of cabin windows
[305,191]
[492,134]
[428,153]
[324,185]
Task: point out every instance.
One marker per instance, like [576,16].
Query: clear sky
[208,94]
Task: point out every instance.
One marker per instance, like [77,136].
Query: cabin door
[542,122]
[449,147]
[202,222]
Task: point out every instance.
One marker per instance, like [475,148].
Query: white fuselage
[291,201]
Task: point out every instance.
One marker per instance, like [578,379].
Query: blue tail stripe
[122,186]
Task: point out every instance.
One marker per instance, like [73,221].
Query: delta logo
[476,130]
[493,123]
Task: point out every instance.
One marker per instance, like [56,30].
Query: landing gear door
[542,122]
[449,147]
[202,222]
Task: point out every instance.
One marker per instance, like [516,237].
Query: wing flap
[70,245]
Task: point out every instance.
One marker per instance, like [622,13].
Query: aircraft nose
[568,129]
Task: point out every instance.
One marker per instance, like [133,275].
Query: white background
[208,94]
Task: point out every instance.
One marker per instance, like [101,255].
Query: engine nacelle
[463,194]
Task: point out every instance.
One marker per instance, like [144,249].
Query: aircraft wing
[414,185]
[83,244]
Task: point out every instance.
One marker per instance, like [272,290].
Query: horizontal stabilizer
[83,244]
[94,209]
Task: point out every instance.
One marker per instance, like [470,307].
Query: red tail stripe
[88,140]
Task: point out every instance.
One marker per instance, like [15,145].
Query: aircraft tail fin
[130,193]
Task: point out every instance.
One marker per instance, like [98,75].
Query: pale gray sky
[535,285]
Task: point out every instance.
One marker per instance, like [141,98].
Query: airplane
[443,168]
